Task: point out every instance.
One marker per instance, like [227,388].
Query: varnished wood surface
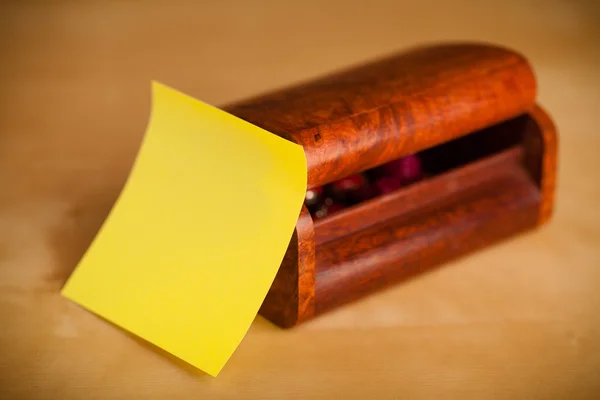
[547,141]
[361,117]
[519,320]
[406,245]
[291,298]
[460,106]
[464,107]
[415,197]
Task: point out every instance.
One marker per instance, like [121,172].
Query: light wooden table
[520,320]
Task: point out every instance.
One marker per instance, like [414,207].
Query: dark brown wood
[469,111]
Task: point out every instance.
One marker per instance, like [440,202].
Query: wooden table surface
[520,320]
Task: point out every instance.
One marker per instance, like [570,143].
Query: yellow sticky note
[193,243]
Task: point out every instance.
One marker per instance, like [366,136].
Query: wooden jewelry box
[463,115]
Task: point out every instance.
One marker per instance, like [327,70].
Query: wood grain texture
[414,198]
[365,116]
[291,298]
[483,151]
[452,225]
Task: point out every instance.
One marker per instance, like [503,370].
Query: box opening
[466,190]
[399,174]
[411,182]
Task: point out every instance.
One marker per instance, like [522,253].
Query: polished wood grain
[488,150]
[359,118]
[413,242]
[291,298]
[413,198]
